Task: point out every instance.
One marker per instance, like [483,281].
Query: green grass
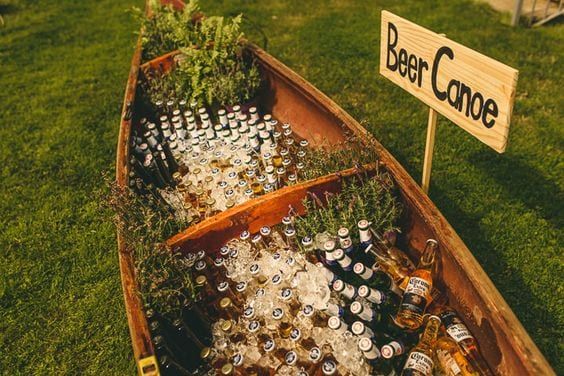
[63,71]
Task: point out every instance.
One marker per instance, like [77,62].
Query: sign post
[472,90]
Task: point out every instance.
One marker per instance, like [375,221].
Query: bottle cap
[363,224]
[359,268]
[308,310]
[269,345]
[224,251]
[358,328]
[338,285]
[201,280]
[363,291]
[343,232]
[286,293]
[253,326]
[227,369]
[225,303]
[338,254]
[218,261]
[334,322]
[241,286]
[365,344]
[237,359]
[276,279]
[329,368]
[226,325]
[307,241]
[256,238]
[286,330]
[295,334]
[277,313]
[291,358]
[205,353]
[356,307]
[329,245]
[254,269]
[265,231]
[222,286]
[290,232]
[245,235]
[315,354]
[432,242]
[393,348]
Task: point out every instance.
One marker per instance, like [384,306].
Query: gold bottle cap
[229,204]
[208,179]
[201,280]
[199,192]
[285,330]
[205,353]
[227,325]
[227,369]
[210,201]
[225,303]
[262,280]
[176,176]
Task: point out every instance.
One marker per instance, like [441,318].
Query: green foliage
[337,157]
[374,199]
[145,222]
[167,29]
[211,70]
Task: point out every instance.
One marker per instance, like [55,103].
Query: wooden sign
[472,90]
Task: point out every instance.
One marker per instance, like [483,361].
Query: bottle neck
[430,334]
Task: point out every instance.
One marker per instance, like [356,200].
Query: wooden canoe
[505,344]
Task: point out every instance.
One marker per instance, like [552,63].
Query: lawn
[63,69]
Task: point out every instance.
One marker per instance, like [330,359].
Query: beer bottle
[365,235]
[329,368]
[338,325]
[169,367]
[369,350]
[358,328]
[450,359]
[343,260]
[186,359]
[420,359]
[417,292]
[345,289]
[365,312]
[459,332]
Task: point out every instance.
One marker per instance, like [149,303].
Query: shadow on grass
[530,310]
[524,183]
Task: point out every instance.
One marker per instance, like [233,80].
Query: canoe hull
[504,342]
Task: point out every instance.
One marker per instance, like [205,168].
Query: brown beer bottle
[418,290]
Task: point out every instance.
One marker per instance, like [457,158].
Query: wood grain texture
[482,74]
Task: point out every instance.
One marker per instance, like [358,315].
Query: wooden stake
[429,146]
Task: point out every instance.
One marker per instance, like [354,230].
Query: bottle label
[416,294]
[448,363]
[418,286]
[459,332]
[418,362]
